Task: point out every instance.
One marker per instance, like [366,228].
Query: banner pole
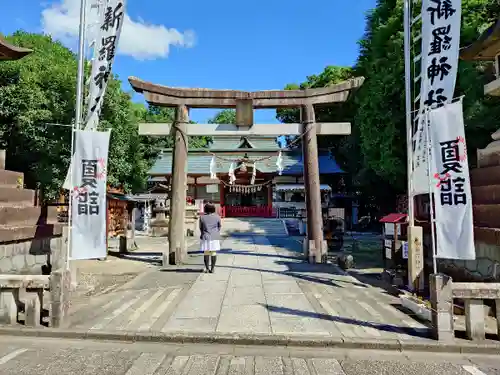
[431,194]
[78,118]
[408,107]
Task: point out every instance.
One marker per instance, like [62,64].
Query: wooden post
[311,180]
[132,244]
[177,248]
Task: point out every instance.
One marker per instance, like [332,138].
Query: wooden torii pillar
[245,102]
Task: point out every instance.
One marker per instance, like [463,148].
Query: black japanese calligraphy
[88,203]
[452,192]
[96,102]
[450,157]
[112,17]
[107,51]
[442,9]
[435,97]
[441,41]
[438,69]
[89,173]
[102,77]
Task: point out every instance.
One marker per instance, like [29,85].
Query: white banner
[451,183]
[111,18]
[88,195]
[439,61]
[111,22]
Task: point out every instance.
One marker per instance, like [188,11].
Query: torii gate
[245,102]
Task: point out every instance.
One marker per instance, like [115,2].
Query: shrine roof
[486,47]
[11,52]
[238,142]
[199,162]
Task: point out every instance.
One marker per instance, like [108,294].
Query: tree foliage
[226,116]
[37,106]
[375,153]
[35,93]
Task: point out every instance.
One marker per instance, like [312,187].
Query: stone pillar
[311,179]
[497,314]
[176,237]
[415,258]
[60,283]
[474,319]
[442,307]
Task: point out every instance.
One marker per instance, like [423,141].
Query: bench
[34,285]
[444,290]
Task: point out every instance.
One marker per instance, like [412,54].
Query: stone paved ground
[260,286]
[25,356]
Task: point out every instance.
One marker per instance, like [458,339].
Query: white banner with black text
[439,61]
[451,183]
[88,195]
[110,25]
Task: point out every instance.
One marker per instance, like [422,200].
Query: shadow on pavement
[421,333]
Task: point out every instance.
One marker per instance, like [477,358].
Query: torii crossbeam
[245,102]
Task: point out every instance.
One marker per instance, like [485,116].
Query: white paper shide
[451,183]
[88,195]
[439,61]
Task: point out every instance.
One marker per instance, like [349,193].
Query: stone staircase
[485,182]
[253,227]
[29,235]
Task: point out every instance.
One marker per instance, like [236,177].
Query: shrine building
[260,193]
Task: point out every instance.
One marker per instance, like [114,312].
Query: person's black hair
[209,208]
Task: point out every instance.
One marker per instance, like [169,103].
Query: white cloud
[139,39]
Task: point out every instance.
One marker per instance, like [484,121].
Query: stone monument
[159,225]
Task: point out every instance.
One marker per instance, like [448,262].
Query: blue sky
[258,45]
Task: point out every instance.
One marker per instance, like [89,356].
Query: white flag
[232,177]
[279,163]
[110,25]
[451,183]
[213,168]
[88,195]
[439,61]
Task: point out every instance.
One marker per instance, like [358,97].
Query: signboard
[88,195]
[388,248]
[389,229]
[439,61]
[451,184]
[404,249]
[212,189]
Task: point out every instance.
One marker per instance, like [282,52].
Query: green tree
[226,116]
[380,106]
[35,93]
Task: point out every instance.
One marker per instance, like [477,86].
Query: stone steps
[253,226]
[485,176]
[487,215]
[10,194]
[487,235]
[22,215]
[9,233]
[10,178]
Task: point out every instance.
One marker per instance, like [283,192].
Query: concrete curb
[459,346]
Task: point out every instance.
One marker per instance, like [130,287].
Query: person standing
[210,225]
